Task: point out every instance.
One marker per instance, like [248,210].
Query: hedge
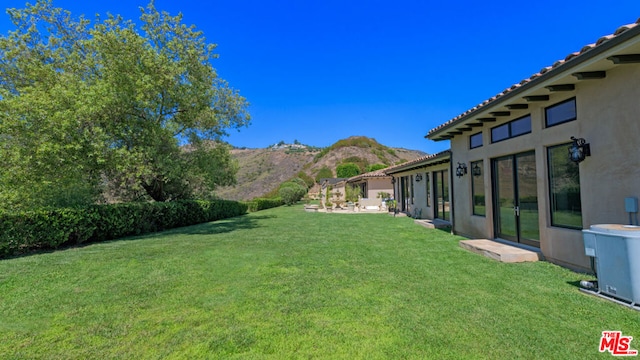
[258,204]
[51,228]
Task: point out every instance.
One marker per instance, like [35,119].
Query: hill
[263,170]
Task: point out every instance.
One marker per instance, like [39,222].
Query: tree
[291,192]
[140,110]
[298,180]
[347,170]
[308,180]
[375,167]
[323,173]
[361,162]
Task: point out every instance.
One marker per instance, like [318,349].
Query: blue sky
[320,71]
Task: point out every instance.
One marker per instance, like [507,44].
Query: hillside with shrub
[262,171]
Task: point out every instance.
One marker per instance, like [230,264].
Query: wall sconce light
[461,170]
[579,150]
[393,180]
[476,170]
[418,177]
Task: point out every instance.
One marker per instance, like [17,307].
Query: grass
[286,284]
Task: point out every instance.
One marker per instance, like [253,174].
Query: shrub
[308,180]
[300,182]
[27,231]
[258,204]
[291,192]
[352,193]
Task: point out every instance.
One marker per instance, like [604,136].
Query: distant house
[335,187]
[371,184]
[546,157]
[421,187]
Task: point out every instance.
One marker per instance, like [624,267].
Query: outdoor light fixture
[418,177]
[476,171]
[461,170]
[579,150]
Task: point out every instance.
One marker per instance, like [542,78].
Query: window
[511,129]
[441,191]
[475,140]
[564,188]
[477,188]
[561,113]
[404,182]
[363,190]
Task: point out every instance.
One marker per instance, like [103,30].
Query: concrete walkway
[432,224]
[499,251]
[316,208]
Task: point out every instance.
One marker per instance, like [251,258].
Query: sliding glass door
[516,198]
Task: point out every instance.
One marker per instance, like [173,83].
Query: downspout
[451,205]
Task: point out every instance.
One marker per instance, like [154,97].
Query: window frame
[556,105]
[440,184]
[552,194]
[509,125]
[476,135]
[481,186]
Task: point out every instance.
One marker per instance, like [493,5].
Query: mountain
[263,170]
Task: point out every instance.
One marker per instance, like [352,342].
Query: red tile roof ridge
[544,70]
[417,160]
[370,174]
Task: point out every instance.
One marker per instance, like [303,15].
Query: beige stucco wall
[376,185]
[608,112]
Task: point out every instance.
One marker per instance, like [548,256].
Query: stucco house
[370,185]
[421,187]
[334,188]
[548,156]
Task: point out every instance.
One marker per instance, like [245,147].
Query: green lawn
[284,283]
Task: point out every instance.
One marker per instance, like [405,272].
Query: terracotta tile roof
[373,174]
[585,49]
[421,161]
[332,181]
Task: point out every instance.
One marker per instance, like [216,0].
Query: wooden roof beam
[590,75]
[625,59]
[561,87]
[532,98]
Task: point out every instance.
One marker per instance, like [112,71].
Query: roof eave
[564,68]
[438,158]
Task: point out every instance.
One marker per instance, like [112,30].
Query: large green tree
[135,111]
[347,170]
